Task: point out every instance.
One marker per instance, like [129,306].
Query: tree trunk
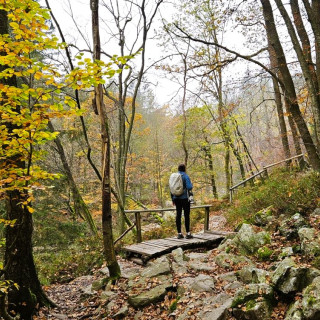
[304,56]
[211,172]
[290,94]
[19,265]
[278,100]
[109,252]
[80,207]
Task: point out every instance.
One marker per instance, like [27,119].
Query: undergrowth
[287,192]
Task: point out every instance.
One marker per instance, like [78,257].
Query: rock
[288,279]
[311,301]
[289,227]
[216,308]
[200,266]
[203,257]
[263,217]
[178,255]
[98,284]
[249,274]
[227,261]
[122,312]
[252,292]
[286,252]
[201,283]
[254,311]
[226,245]
[233,285]
[315,213]
[87,291]
[228,277]
[248,241]
[179,268]
[281,269]
[104,271]
[147,297]
[310,243]
[294,312]
[157,267]
[107,295]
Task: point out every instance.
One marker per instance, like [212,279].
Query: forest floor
[73,305]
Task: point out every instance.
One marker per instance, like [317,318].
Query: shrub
[286,191]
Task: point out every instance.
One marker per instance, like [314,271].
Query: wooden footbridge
[143,251]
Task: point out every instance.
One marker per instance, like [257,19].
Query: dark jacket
[187,186]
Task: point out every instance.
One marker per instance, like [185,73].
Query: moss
[251,304]
[316,262]
[264,253]
[173,306]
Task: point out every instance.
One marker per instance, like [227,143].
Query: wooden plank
[143,249]
[163,243]
[209,237]
[223,233]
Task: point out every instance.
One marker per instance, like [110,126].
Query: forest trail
[75,300]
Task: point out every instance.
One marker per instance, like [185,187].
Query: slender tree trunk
[183,105]
[158,171]
[80,207]
[211,171]
[19,265]
[278,100]
[290,94]
[109,252]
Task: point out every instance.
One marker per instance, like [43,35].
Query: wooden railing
[263,173]
[138,213]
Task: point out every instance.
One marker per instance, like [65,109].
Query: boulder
[263,217]
[248,241]
[201,283]
[227,261]
[157,267]
[198,256]
[250,274]
[310,243]
[200,266]
[226,245]
[228,277]
[311,301]
[216,308]
[289,227]
[254,310]
[288,279]
[252,291]
[147,297]
[178,255]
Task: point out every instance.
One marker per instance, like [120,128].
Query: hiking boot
[189,236]
[180,236]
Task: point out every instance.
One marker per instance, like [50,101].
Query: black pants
[185,205]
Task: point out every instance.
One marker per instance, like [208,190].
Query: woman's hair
[182,167]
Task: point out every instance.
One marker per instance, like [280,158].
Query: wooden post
[206,219]
[230,195]
[265,172]
[138,225]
